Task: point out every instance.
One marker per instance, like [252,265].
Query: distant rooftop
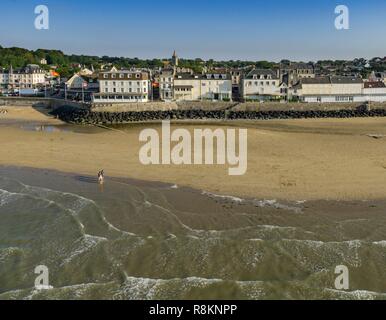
[262,72]
[332,80]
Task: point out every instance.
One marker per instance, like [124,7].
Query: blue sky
[237,29]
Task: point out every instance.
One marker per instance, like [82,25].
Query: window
[113,76]
[105,76]
[121,75]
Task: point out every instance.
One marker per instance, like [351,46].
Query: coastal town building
[261,85]
[86,72]
[30,77]
[76,82]
[166,84]
[374,91]
[236,75]
[210,86]
[292,73]
[378,76]
[118,86]
[335,89]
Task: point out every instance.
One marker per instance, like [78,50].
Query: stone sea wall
[161,106]
[82,116]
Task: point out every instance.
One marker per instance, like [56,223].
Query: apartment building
[336,89]
[292,73]
[29,77]
[166,84]
[210,86]
[261,85]
[119,86]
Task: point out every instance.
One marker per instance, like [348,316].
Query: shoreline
[288,160]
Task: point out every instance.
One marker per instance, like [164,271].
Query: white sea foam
[275,204]
[232,198]
[357,294]
[149,289]
[7,197]
[83,245]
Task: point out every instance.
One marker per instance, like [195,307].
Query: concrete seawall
[39,102]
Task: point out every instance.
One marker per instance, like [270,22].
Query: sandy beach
[334,159]
[137,239]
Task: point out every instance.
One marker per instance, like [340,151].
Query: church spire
[175,59]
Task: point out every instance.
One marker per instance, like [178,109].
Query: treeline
[67,64]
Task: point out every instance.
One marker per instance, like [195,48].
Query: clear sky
[218,29]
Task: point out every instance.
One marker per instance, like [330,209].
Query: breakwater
[83,116]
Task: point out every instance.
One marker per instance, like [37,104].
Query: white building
[118,86]
[339,89]
[76,82]
[29,77]
[261,85]
[210,86]
[374,91]
[166,84]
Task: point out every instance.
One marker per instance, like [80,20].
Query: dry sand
[287,159]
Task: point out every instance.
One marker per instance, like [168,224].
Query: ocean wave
[277,205]
[83,245]
[231,198]
[356,295]
[258,203]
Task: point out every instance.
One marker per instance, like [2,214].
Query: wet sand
[317,159]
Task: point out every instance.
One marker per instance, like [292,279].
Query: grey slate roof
[208,76]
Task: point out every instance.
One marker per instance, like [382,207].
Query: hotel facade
[209,87]
[260,85]
[29,77]
[122,86]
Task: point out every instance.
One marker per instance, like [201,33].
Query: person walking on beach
[101,177]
